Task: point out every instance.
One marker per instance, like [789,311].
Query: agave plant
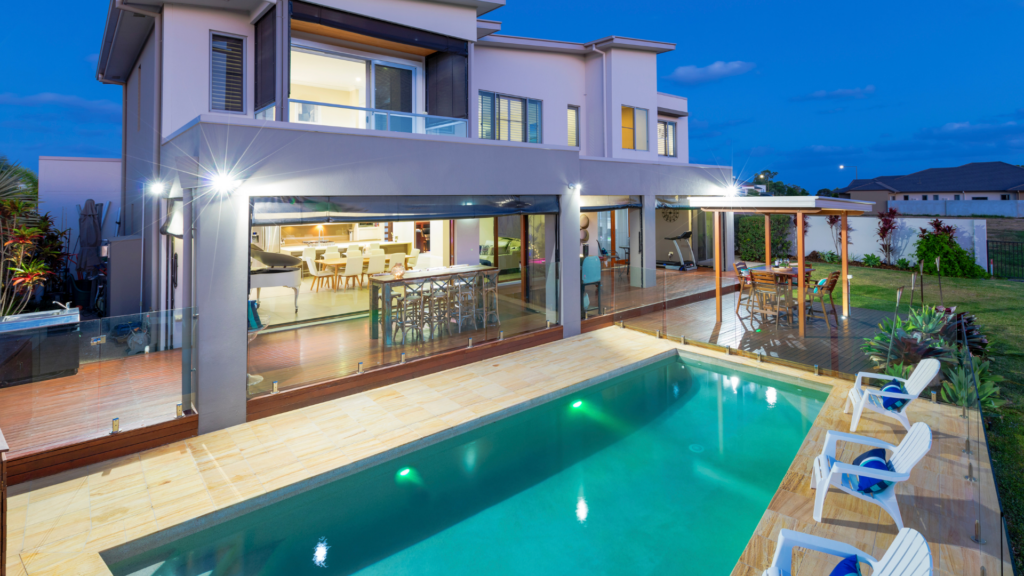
[905,348]
[960,323]
[959,386]
[929,321]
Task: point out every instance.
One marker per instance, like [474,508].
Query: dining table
[337,264]
[785,277]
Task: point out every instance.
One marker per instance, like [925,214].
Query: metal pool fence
[1006,259]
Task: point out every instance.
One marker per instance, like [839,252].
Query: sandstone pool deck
[58,525]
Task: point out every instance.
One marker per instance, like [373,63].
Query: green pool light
[404,472]
[577,404]
[758,330]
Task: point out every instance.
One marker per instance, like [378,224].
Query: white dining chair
[318,275]
[413,258]
[396,258]
[374,246]
[376,265]
[332,252]
[353,266]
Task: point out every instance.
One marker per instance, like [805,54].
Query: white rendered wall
[138,130]
[559,80]
[634,82]
[447,19]
[65,183]
[970,234]
[187,37]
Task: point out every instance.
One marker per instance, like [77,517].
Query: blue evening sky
[796,87]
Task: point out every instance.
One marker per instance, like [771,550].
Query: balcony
[309,112]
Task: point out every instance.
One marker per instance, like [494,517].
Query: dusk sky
[796,87]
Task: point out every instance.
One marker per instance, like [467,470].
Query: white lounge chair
[908,555]
[860,397]
[830,472]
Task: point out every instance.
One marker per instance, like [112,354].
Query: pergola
[768,205]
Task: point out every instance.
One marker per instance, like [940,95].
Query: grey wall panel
[605,177]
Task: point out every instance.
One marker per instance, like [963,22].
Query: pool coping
[189,527]
[66,547]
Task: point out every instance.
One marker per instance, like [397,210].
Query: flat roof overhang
[821,205]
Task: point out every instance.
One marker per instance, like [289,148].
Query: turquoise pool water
[665,470]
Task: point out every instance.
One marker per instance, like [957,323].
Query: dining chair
[396,258]
[413,258]
[818,291]
[353,266]
[746,284]
[765,292]
[377,264]
[332,252]
[374,246]
[318,275]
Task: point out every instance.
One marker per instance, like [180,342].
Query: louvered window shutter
[574,126]
[227,78]
[487,115]
[533,120]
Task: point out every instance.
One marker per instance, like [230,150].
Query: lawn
[999,307]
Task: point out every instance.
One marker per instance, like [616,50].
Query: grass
[999,307]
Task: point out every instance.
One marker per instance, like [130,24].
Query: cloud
[841,94]
[104,110]
[692,75]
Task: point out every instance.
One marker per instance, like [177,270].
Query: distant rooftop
[973,177]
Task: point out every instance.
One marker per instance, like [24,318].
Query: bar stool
[408,313]
[489,297]
[463,299]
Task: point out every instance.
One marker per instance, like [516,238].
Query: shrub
[750,236]
[903,264]
[956,262]
[908,347]
[830,257]
[887,233]
[872,260]
[959,386]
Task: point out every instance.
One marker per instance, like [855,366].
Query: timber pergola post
[796,205]
[845,240]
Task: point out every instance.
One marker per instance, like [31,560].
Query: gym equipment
[684,265]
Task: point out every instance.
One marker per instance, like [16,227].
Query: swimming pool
[663,470]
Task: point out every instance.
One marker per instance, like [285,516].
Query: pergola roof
[823,205]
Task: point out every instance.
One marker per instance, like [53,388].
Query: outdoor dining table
[789,277]
[382,287]
[337,264]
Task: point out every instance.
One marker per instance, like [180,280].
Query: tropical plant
[940,242]
[887,225]
[960,323]
[903,264]
[872,260]
[929,321]
[835,225]
[901,346]
[899,370]
[830,257]
[959,386]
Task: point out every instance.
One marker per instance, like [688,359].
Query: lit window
[574,125]
[634,128]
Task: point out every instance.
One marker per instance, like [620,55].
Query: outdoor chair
[746,284]
[857,479]
[255,326]
[908,555]
[590,275]
[819,291]
[766,298]
[860,398]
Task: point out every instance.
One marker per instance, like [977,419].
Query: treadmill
[683,265]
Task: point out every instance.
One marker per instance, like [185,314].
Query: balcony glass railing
[304,111]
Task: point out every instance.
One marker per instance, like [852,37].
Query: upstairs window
[1004,196]
[226,74]
[574,125]
[666,138]
[634,128]
[510,118]
[956,197]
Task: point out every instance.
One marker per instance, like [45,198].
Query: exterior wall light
[224,183]
[157,188]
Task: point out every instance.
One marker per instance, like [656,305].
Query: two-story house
[354,135]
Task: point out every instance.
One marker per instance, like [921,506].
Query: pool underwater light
[404,472]
[577,404]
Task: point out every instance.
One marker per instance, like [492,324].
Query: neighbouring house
[967,190]
[409,128]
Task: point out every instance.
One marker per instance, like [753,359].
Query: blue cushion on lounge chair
[873,459]
[847,567]
[894,404]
